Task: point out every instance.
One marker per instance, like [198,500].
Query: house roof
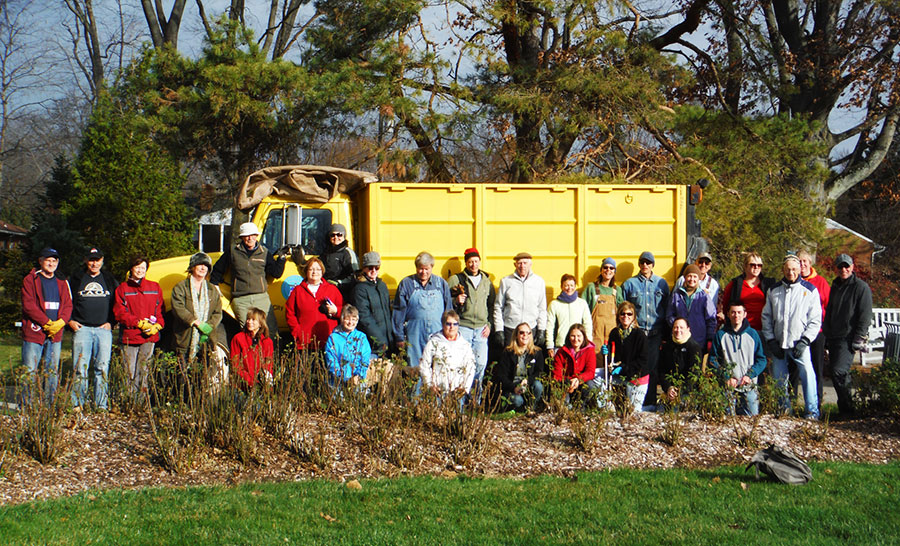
[831,224]
[12,229]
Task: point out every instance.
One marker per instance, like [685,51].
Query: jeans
[807,380]
[746,402]
[479,346]
[91,350]
[32,355]
[536,392]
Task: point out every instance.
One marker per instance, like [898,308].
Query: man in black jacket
[847,320]
[92,320]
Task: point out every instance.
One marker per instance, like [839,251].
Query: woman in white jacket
[567,309]
[447,364]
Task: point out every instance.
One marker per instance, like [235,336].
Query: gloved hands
[859,343]
[540,336]
[800,347]
[145,325]
[205,330]
[604,349]
[775,348]
[54,326]
[153,330]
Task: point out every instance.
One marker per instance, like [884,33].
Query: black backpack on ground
[781,465]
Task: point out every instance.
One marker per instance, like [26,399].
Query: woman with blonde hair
[628,347]
[749,288]
[518,369]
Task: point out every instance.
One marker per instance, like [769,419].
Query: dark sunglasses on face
[704,262]
[844,266]
[375,267]
[605,267]
[523,333]
[337,234]
[755,265]
[451,324]
[626,314]
[644,262]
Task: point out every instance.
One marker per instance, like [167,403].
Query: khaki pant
[242,304]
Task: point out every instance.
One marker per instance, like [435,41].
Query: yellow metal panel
[567,228]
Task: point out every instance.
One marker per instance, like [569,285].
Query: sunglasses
[375,267]
[605,267]
[644,262]
[337,234]
[844,266]
[449,324]
[523,333]
[755,265]
[626,314]
[704,262]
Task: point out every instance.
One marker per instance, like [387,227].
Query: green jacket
[478,310]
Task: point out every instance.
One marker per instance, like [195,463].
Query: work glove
[145,326]
[859,343]
[205,330]
[54,326]
[604,349]
[775,348]
[800,348]
[153,330]
[540,336]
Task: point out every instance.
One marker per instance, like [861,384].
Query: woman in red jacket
[252,351]
[139,308]
[312,309]
[575,363]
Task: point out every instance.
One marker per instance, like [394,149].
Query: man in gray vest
[250,263]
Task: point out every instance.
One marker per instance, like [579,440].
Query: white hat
[248,228]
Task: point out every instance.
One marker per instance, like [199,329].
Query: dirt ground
[106,451]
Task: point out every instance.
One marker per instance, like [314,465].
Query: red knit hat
[471,252]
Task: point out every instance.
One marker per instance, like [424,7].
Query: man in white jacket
[522,297]
[791,320]
[448,363]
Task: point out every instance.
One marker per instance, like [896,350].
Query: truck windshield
[314,230]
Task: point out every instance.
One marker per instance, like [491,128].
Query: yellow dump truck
[568,228]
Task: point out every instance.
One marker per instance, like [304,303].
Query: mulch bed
[106,451]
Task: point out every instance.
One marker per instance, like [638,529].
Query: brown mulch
[105,451]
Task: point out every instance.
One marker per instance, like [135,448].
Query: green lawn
[10,351]
[845,504]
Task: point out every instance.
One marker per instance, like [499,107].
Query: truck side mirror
[293,220]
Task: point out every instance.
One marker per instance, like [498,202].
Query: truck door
[303,229]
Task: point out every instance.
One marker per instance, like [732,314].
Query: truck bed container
[566,228]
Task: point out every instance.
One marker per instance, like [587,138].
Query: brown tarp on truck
[310,183]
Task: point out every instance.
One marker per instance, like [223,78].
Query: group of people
[638,334]
[91,302]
